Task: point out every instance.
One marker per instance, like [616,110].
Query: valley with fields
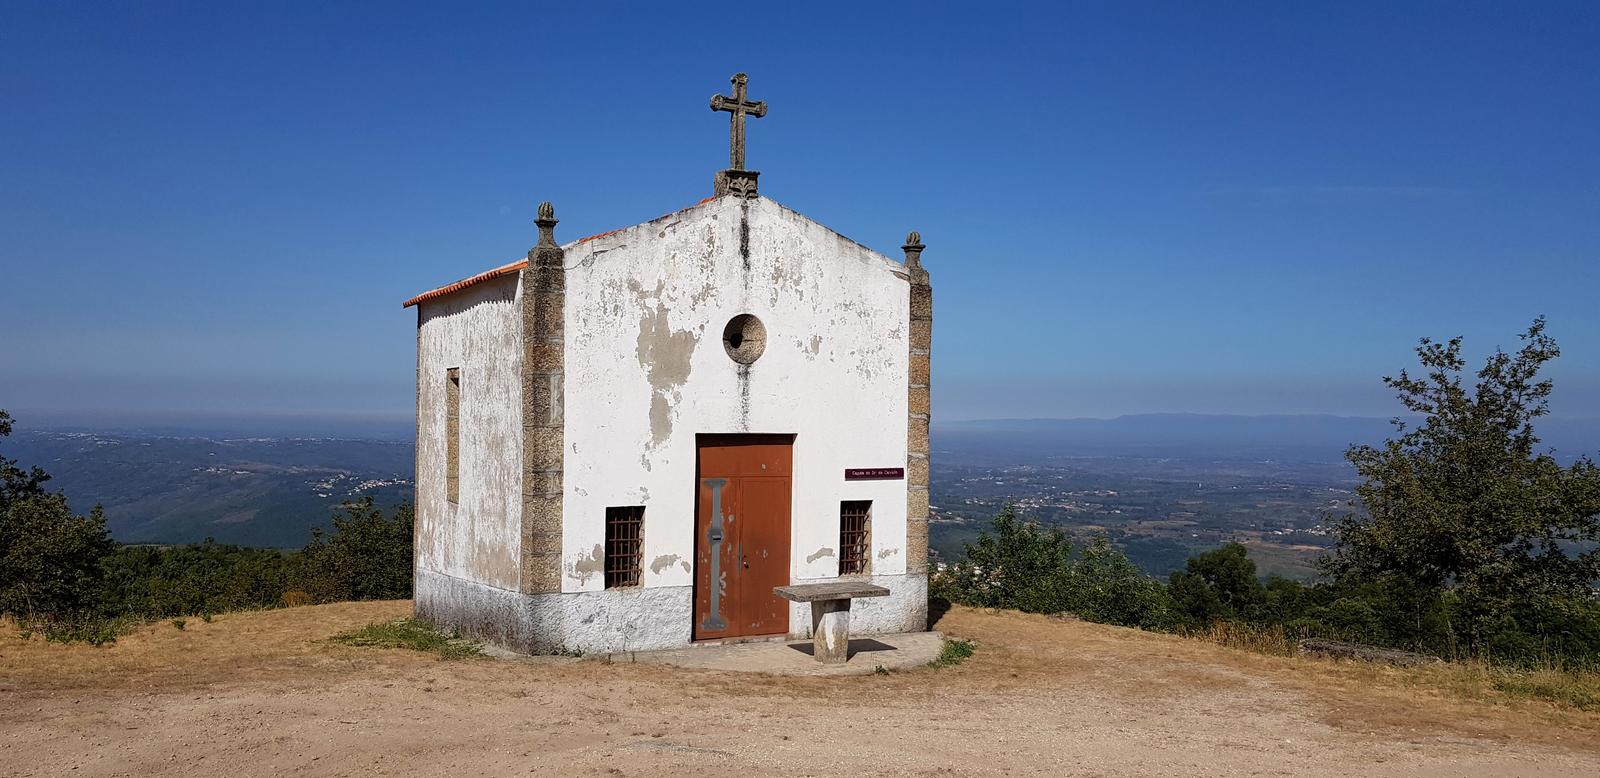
[1160,488]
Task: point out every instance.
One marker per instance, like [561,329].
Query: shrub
[161,582]
[954,652]
[367,556]
[295,598]
[1218,584]
[1022,566]
[94,630]
[50,557]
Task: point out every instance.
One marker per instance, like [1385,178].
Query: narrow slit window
[452,434]
[624,545]
[855,542]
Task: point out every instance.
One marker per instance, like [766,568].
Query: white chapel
[630,440]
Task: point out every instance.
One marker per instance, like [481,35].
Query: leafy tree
[366,557]
[49,557]
[15,482]
[1016,565]
[1023,566]
[1462,512]
[1104,586]
[1218,584]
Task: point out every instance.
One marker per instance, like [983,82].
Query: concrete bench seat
[830,613]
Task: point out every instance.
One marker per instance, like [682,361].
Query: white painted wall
[478,330]
[646,371]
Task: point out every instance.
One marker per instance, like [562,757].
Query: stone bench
[830,613]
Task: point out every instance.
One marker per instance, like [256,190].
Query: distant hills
[178,489]
[1306,438]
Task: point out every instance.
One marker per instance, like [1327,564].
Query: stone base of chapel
[621,620]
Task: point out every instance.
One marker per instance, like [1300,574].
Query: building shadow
[937,608]
[857,646]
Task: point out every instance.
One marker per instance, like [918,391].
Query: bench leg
[830,631]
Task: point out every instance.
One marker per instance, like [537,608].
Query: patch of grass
[955,652]
[1261,640]
[1577,689]
[94,631]
[415,634]
[881,670]
[1473,679]
[179,623]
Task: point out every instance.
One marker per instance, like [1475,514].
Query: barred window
[452,434]
[855,542]
[624,545]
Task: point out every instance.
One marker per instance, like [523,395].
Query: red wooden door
[742,536]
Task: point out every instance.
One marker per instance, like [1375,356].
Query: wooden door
[742,536]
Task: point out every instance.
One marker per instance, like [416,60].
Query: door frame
[711,440]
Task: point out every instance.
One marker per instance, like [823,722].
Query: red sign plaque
[874,473]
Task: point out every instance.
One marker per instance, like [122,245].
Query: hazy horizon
[401,426]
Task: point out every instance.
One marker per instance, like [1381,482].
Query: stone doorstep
[738,641]
[787,656]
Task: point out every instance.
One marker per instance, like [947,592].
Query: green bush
[1022,566]
[94,630]
[367,556]
[954,652]
[1220,584]
[160,582]
[49,557]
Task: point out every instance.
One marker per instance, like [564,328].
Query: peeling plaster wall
[478,538]
[647,371]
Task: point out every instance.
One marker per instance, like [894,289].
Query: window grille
[624,545]
[854,542]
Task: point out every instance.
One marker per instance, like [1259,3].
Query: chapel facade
[626,441]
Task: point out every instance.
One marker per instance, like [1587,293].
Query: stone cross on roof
[739,105]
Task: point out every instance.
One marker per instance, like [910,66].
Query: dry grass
[1021,652]
[1576,689]
[264,692]
[158,651]
[1269,640]
[1454,698]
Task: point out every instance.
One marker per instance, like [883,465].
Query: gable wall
[646,371]
[479,331]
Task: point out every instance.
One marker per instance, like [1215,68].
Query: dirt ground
[265,694]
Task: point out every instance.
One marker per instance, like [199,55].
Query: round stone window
[745,338]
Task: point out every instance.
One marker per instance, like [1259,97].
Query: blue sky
[1222,207]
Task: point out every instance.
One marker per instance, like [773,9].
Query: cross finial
[740,106]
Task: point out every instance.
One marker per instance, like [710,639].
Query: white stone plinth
[830,630]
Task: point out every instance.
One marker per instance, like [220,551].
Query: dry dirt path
[265,694]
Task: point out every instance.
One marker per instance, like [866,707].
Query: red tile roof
[517,265]
[466,282]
